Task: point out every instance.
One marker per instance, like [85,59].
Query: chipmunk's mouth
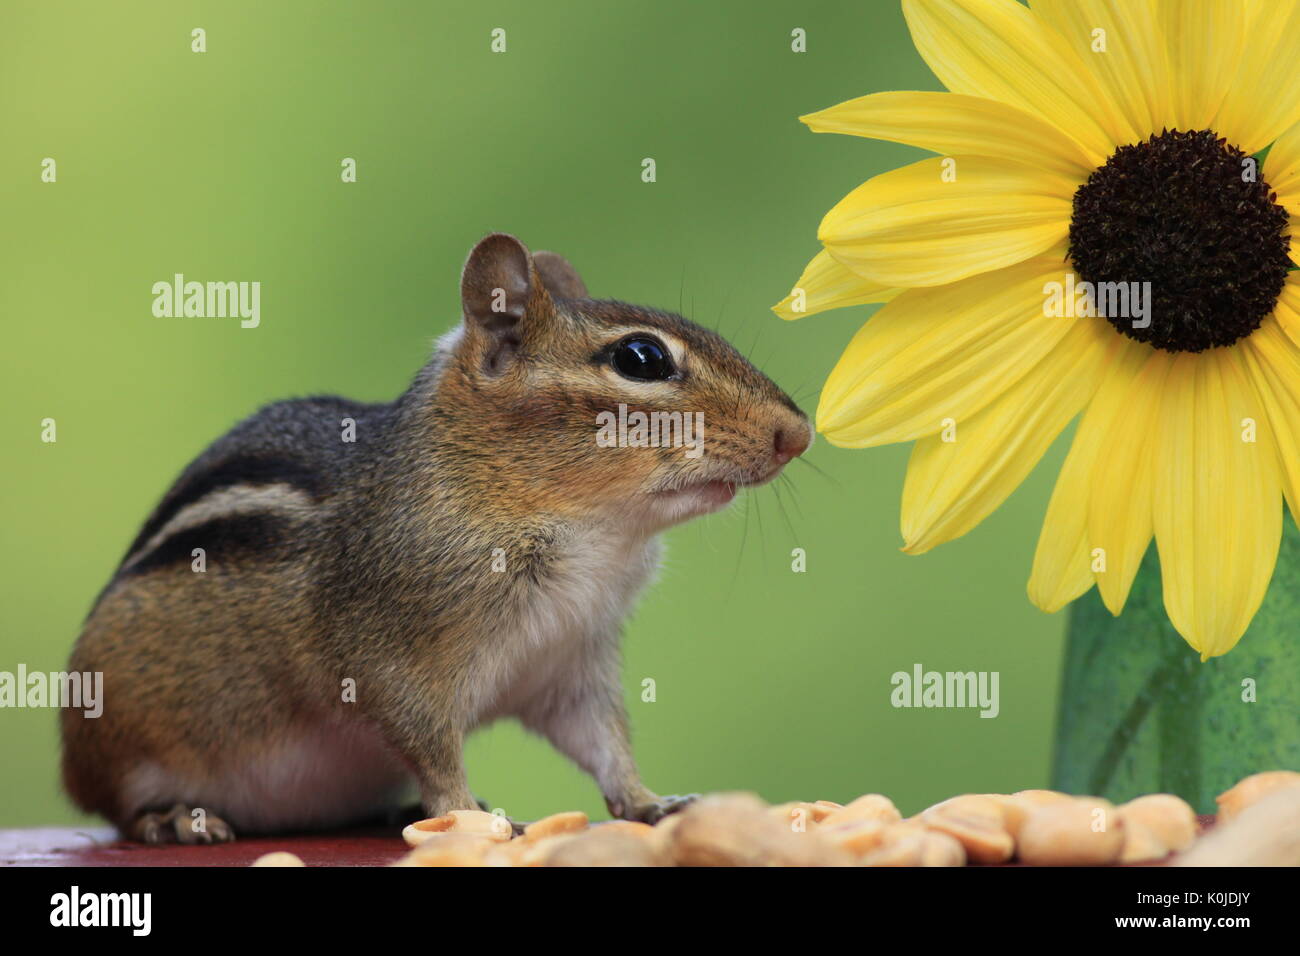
[674,505]
[719,492]
[714,493]
[725,487]
[674,502]
[696,498]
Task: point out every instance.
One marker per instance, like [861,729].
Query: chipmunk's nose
[791,441]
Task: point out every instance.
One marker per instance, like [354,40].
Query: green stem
[1125,731]
[1181,715]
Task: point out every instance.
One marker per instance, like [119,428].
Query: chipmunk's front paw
[655,808]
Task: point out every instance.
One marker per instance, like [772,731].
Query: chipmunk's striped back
[256,489]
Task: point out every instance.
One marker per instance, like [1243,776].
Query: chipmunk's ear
[559,276]
[498,287]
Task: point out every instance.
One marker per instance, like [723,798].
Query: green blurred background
[225,166]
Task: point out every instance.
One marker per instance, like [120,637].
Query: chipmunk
[470,555]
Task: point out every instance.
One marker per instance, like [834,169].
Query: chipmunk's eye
[642,358]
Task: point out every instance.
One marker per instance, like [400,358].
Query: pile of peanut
[1034,827]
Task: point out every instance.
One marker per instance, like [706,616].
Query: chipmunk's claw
[652,811]
[179,825]
[516,826]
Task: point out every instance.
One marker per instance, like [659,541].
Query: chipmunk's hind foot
[181,824]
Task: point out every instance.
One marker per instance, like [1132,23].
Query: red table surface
[64,846]
[67,846]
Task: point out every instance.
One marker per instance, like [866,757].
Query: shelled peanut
[490,826]
[1253,789]
[1033,827]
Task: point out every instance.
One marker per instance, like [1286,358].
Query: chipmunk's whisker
[784,513]
[793,489]
[740,552]
[821,471]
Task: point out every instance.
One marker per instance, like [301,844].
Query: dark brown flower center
[1189,214]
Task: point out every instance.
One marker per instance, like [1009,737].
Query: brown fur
[373,561]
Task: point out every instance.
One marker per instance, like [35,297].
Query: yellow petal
[952,124]
[1123,48]
[1217,510]
[1119,505]
[940,353]
[825,284]
[1282,169]
[952,486]
[1063,559]
[1204,41]
[1061,570]
[1282,173]
[941,220]
[1287,310]
[1263,98]
[1274,363]
[999,50]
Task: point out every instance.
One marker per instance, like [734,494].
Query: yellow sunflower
[1096,239]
